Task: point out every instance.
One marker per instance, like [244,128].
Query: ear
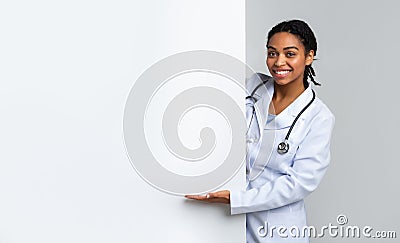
[309,57]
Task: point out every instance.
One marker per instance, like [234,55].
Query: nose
[280,61]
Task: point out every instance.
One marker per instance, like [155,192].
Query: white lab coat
[277,184]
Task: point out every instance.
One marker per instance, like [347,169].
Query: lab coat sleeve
[309,166]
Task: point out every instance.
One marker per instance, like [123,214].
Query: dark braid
[306,36]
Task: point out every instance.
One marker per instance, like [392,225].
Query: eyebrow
[286,48]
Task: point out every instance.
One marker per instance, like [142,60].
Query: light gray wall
[358,63]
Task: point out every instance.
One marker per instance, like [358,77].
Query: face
[286,58]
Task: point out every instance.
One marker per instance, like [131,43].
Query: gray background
[358,52]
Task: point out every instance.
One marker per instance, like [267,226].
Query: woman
[280,175]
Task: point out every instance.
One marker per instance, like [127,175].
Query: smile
[283,72]
[280,74]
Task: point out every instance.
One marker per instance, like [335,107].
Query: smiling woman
[287,58]
[290,112]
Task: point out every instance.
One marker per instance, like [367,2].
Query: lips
[281,73]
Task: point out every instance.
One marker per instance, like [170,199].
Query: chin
[281,82]
[288,80]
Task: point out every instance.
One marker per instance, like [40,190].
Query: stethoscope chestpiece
[283,147]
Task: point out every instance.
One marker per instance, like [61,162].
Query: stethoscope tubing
[283,147]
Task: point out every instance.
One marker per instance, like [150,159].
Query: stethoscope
[283,147]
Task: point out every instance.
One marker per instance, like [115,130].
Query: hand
[213,197]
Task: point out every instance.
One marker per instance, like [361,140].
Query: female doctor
[288,140]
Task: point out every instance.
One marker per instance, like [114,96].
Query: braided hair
[306,36]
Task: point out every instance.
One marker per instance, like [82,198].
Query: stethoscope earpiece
[283,147]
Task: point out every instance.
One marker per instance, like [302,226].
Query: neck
[288,92]
[284,95]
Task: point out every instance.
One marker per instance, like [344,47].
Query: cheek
[298,64]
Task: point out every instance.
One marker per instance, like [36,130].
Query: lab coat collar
[286,117]
[265,93]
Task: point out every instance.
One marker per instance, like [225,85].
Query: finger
[196,197]
[213,195]
[217,200]
[192,196]
[221,194]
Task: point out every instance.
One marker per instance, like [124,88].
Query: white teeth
[282,72]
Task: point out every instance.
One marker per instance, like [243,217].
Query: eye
[290,54]
[272,54]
